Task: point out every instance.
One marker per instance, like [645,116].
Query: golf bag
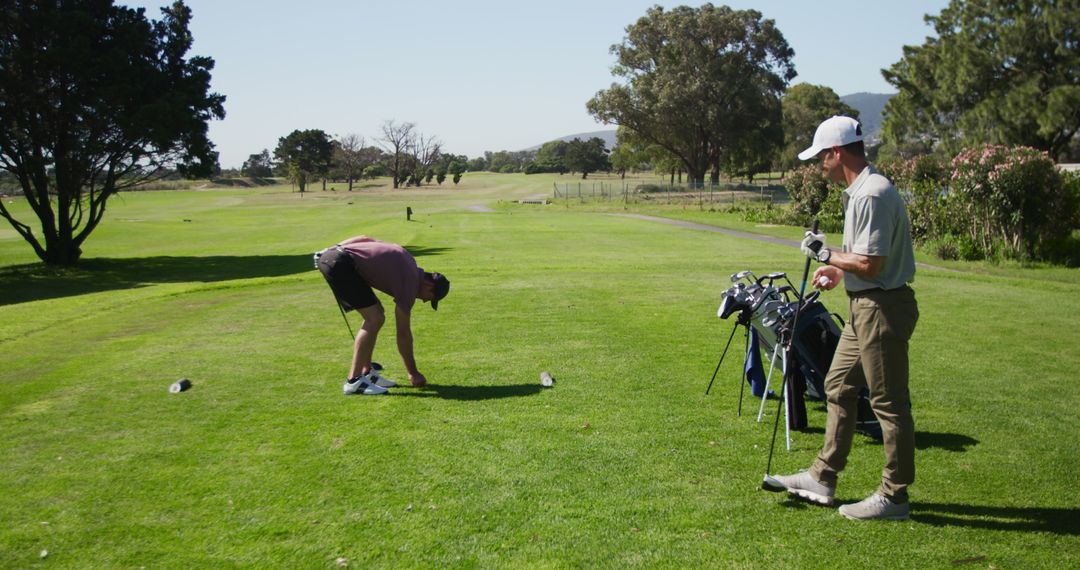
[770,312]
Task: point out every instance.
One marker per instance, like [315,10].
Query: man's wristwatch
[824,255]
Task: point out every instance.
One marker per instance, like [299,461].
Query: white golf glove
[813,244]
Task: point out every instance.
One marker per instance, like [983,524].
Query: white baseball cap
[834,131]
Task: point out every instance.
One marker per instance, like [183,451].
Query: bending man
[355,266]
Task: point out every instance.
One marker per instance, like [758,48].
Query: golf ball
[823,281]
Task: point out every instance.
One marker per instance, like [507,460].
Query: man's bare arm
[865,266]
[405,339]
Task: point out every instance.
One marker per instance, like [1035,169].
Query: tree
[448,164]
[478,164]
[258,165]
[507,161]
[698,82]
[586,156]
[644,154]
[396,141]
[350,158]
[96,99]
[999,72]
[425,152]
[624,158]
[805,106]
[305,155]
[550,157]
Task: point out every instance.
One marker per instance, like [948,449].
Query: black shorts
[351,291]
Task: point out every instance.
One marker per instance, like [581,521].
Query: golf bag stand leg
[776,424]
[744,377]
[787,405]
[768,380]
[722,355]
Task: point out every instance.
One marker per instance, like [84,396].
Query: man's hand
[827,277]
[812,244]
[417,379]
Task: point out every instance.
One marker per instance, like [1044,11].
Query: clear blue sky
[481,75]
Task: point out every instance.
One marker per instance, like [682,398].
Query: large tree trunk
[696,178]
[63,252]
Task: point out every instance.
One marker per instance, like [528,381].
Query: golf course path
[737,233]
[708,228]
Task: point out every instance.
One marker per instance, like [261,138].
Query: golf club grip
[806,268]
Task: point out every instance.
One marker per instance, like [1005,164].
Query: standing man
[352,268]
[876,263]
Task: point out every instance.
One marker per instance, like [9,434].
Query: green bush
[921,181]
[954,247]
[766,213]
[814,196]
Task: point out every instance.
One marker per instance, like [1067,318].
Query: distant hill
[608,136]
[870,107]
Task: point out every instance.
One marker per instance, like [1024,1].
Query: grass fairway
[624,463]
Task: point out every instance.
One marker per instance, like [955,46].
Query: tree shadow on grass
[423,251]
[1034,519]
[35,282]
[472,393]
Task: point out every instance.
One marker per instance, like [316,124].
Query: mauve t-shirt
[386,267]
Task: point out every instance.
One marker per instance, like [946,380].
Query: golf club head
[772,277]
[729,303]
[741,275]
[762,295]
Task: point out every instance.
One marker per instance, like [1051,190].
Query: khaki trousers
[873,351]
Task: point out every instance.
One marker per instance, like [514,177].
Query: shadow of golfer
[1035,519]
[471,393]
[947,441]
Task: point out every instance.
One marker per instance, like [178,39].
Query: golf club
[743,275]
[346,319]
[768,483]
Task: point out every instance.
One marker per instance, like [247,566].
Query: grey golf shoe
[876,506]
[362,385]
[804,486]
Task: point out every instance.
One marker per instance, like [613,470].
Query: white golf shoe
[362,385]
[379,380]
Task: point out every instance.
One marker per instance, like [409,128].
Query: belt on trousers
[865,292]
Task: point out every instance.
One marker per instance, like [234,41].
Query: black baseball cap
[442,287]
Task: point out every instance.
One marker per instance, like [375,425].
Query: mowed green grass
[624,463]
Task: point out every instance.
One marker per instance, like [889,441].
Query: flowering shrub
[1008,196]
[990,202]
[814,196]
